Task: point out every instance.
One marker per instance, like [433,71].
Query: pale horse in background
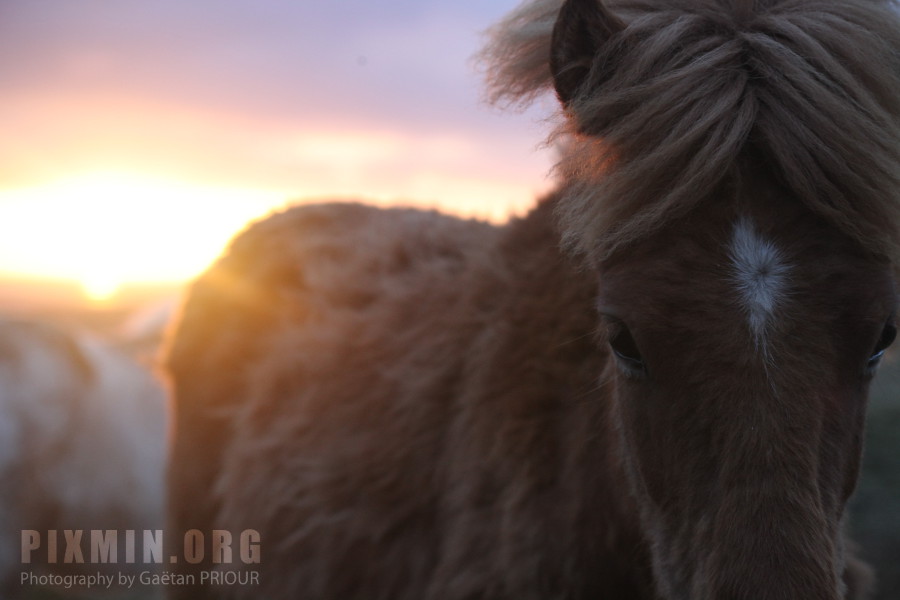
[82,446]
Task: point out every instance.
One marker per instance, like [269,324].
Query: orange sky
[138,137]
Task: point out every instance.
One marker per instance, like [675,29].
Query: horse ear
[581,29]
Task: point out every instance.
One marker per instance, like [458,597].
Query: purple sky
[222,92]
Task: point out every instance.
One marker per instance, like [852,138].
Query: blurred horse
[82,447]
[652,386]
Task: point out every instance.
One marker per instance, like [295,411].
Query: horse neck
[552,297]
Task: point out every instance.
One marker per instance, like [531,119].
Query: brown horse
[653,386]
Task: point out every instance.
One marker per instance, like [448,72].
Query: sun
[98,287]
[108,229]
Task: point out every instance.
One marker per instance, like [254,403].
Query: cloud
[313,98]
[399,65]
[396,60]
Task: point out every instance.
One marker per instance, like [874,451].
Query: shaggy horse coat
[652,386]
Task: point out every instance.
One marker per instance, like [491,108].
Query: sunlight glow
[99,288]
[106,229]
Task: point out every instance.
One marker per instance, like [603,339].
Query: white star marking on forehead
[760,275]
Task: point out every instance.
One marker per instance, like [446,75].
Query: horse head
[729,182]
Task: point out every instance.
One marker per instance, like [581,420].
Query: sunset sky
[139,135]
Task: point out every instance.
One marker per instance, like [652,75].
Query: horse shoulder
[317,353]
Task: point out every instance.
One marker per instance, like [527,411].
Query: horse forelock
[688,88]
[515,60]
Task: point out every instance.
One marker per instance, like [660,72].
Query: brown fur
[419,473]
[406,405]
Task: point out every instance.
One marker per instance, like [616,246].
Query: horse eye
[625,348]
[888,335]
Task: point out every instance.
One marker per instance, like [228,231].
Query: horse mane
[688,88]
